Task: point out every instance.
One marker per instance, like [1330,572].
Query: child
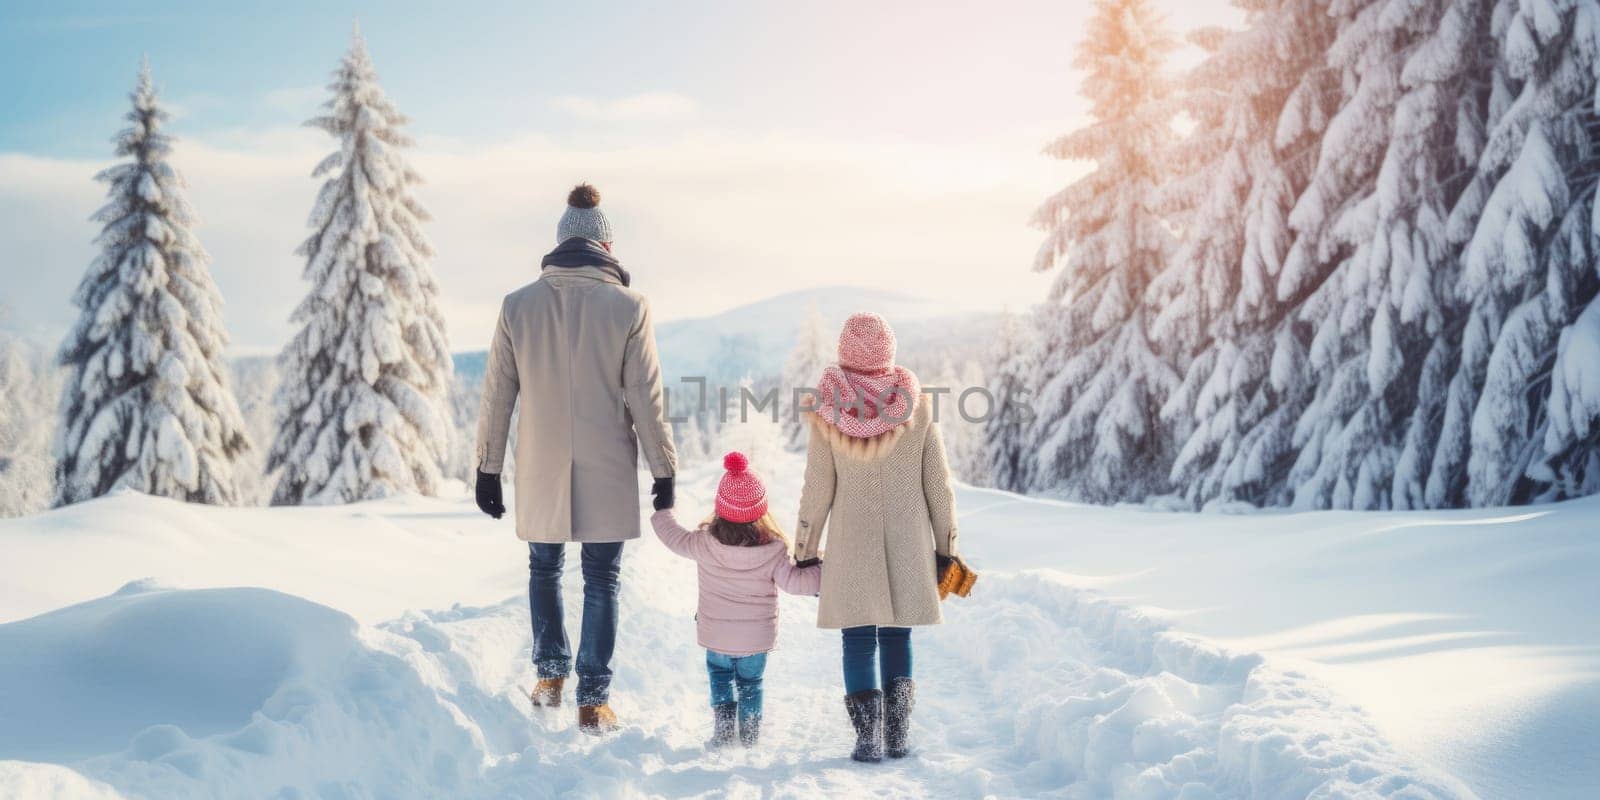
[743,560]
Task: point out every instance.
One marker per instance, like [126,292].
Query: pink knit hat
[741,497]
[867,395]
[866,344]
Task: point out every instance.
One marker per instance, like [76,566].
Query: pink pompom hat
[866,344]
[741,496]
[867,395]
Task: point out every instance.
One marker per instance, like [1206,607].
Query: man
[576,348]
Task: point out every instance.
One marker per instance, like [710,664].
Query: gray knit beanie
[584,217]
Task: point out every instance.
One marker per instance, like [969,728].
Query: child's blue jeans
[889,647]
[741,672]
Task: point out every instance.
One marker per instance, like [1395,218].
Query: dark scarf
[580,252]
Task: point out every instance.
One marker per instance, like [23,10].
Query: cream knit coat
[888,507]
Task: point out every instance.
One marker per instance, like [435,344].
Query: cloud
[304,101]
[648,106]
[706,219]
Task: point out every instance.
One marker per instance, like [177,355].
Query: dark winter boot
[866,716]
[750,730]
[723,725]
[898,701]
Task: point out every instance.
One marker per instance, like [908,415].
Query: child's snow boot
[898,701]
[866,716]
[722,725]
[547,692]
[749,730]
[595,720]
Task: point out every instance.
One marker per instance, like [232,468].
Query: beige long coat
[575,354]
[888,507]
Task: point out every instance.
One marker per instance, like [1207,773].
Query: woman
[876,466]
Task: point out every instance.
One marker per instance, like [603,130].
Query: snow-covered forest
[1345,261]
[1363,276]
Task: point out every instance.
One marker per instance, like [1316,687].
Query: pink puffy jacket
[738,613]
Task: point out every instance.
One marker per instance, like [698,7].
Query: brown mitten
[955,577]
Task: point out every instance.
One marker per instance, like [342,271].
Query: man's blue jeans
[872,652]
[743,672]
[551,654]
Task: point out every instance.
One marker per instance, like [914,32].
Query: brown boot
[547,692]
[596,720]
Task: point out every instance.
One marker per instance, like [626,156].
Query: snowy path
[1036,692]
[1033,688]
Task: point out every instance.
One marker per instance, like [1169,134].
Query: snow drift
[1049,682]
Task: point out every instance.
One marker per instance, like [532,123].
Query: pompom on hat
[741,496]
[583,218]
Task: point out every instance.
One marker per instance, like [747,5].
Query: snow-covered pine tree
[1439,134]
[1261,101]
[362,405]
[1098,429]
[1375,209]
[814,350]
[1006,450]
[147,405]
[750,430]
[1570,466]
[1530,264]
[963,438]
[690,438]
[29,387]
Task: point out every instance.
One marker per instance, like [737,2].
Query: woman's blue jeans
[552,656]
[872,653]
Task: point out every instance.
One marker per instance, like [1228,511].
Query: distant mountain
[755,339]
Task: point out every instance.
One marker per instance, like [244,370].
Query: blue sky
[745,149]
[941,71]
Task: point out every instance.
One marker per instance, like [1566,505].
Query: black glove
[940,564]
[490,501]
[810,562]
[661,490]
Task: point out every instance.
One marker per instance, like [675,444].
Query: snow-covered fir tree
[748,429]
[29,387]
[1384,293]
[1570,463]
[958,407]
[147,405]
[814,350]
[691,440]
[1437,136]
[1007,452]
[362,407]
[1375,208]
[255,382]
[1260,101]
[1098,429]
[1529,269]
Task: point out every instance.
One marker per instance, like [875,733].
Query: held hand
[809,562]
[490,501]
[661,494]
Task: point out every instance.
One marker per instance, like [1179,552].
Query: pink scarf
[863,405]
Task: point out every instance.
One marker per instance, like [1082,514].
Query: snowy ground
[381,650]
